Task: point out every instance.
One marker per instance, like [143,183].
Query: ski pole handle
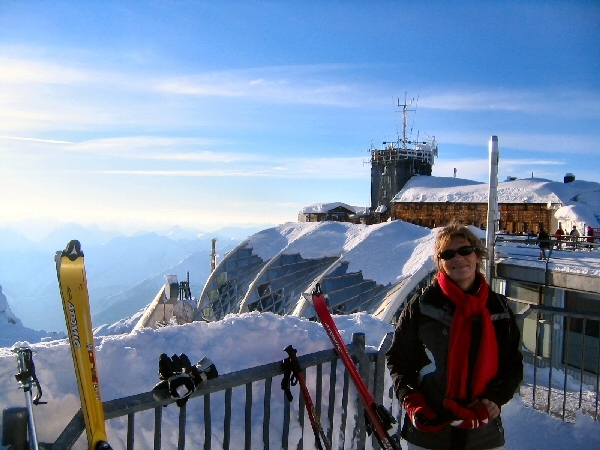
[26,375]
[292,352]
[317,289]
[24,366]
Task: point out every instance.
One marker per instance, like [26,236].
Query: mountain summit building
[395,164]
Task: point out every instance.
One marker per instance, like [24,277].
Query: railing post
[331,407]
[358,340]
[130,430]
[182,422]
[157,427]
[380,368]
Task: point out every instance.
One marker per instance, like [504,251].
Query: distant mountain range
[124,272]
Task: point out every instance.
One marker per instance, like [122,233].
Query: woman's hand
[493,409]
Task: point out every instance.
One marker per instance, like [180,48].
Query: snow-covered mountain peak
[6,315]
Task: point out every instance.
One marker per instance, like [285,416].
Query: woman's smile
[461,269]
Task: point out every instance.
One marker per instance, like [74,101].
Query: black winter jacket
[417,360]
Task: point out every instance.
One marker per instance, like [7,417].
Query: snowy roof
[386,252]
[322,208]
[580,200]
[579,213]
[443,189]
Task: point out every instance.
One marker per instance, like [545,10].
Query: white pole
[492,215]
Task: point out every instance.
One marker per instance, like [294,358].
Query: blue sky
[211,114]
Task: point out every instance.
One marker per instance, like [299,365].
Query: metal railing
[554,241]
[371,366]
[560,346]
[563,348]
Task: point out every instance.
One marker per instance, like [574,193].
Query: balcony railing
[563,352]
[247,383]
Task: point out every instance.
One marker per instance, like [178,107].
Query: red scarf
[486,363]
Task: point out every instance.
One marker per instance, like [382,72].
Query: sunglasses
[462,251]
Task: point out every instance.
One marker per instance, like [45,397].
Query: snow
[578,213]
[128,365]
[386,252]
[6,315]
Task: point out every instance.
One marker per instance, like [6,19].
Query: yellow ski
[73,290]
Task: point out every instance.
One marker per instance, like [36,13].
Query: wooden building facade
[514,217]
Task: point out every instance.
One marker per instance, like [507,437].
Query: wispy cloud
[303,84]
[158,150]
[281,85]
[318,168]
[532,101]
[319,85]
[529,162]
[28,139]
[478,169]
[161,148]
[535,142]
[47,95]
[145,148]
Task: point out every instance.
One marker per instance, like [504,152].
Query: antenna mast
[404,117]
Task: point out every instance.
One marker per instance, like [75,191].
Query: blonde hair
[455,229]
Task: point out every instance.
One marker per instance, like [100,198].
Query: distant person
[455,358]
[590,237]
[574,236]
[560,233]
[543,242]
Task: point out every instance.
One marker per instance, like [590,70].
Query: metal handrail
[565,242]
[557,358]
[129,406]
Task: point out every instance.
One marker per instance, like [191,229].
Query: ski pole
[292,367]
[27,379]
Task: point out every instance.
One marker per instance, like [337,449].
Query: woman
[455,357]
